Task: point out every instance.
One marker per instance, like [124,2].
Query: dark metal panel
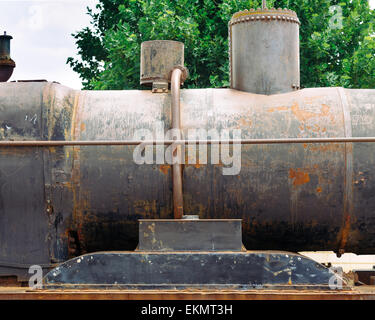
[32,230]
[212,270]
[23,222]
[190,235]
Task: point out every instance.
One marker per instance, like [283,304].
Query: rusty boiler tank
[58,202]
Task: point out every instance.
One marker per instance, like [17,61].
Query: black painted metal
[214,270]
[190,235]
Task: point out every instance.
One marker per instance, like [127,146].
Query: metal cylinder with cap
[158,59]
[264,51]
[7,65]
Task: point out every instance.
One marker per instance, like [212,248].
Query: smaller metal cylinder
[264,51]
[158,59]
[6,63]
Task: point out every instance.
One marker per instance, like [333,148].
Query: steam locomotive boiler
[61,200]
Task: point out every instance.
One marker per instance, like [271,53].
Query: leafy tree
[334,51]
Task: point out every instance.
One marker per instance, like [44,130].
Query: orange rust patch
[278,109]
[83,127]
[345,232]
[319,189]
[333,147]
[164,168]
[304,115]
[300,177]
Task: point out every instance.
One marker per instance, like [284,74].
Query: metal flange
[283,15]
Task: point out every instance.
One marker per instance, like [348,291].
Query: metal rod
[178,200]
[182,142]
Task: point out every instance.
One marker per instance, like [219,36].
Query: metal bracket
[159,87]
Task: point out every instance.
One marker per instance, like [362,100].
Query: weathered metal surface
[264,51]
[190,235]
[158,59]
[173,270]
[41,143]
[29,177]
[297,197]
[6,63]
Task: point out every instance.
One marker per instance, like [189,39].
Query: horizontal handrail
[43,143]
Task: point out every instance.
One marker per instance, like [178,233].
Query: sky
[42,40]
[42,37]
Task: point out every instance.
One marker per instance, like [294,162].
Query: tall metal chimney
[264,51]
[6,63]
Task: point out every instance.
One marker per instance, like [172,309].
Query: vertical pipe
[178,205]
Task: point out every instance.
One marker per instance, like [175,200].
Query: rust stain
[304,115]
[300,177]
[164,168]
[282,108]
[74,115]
[345,232]
[319,189]
[83,127]
[80,199]
[328,147]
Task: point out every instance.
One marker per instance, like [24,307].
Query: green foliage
[333,52]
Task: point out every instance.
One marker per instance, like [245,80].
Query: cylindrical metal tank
[59,202]
[264,51]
